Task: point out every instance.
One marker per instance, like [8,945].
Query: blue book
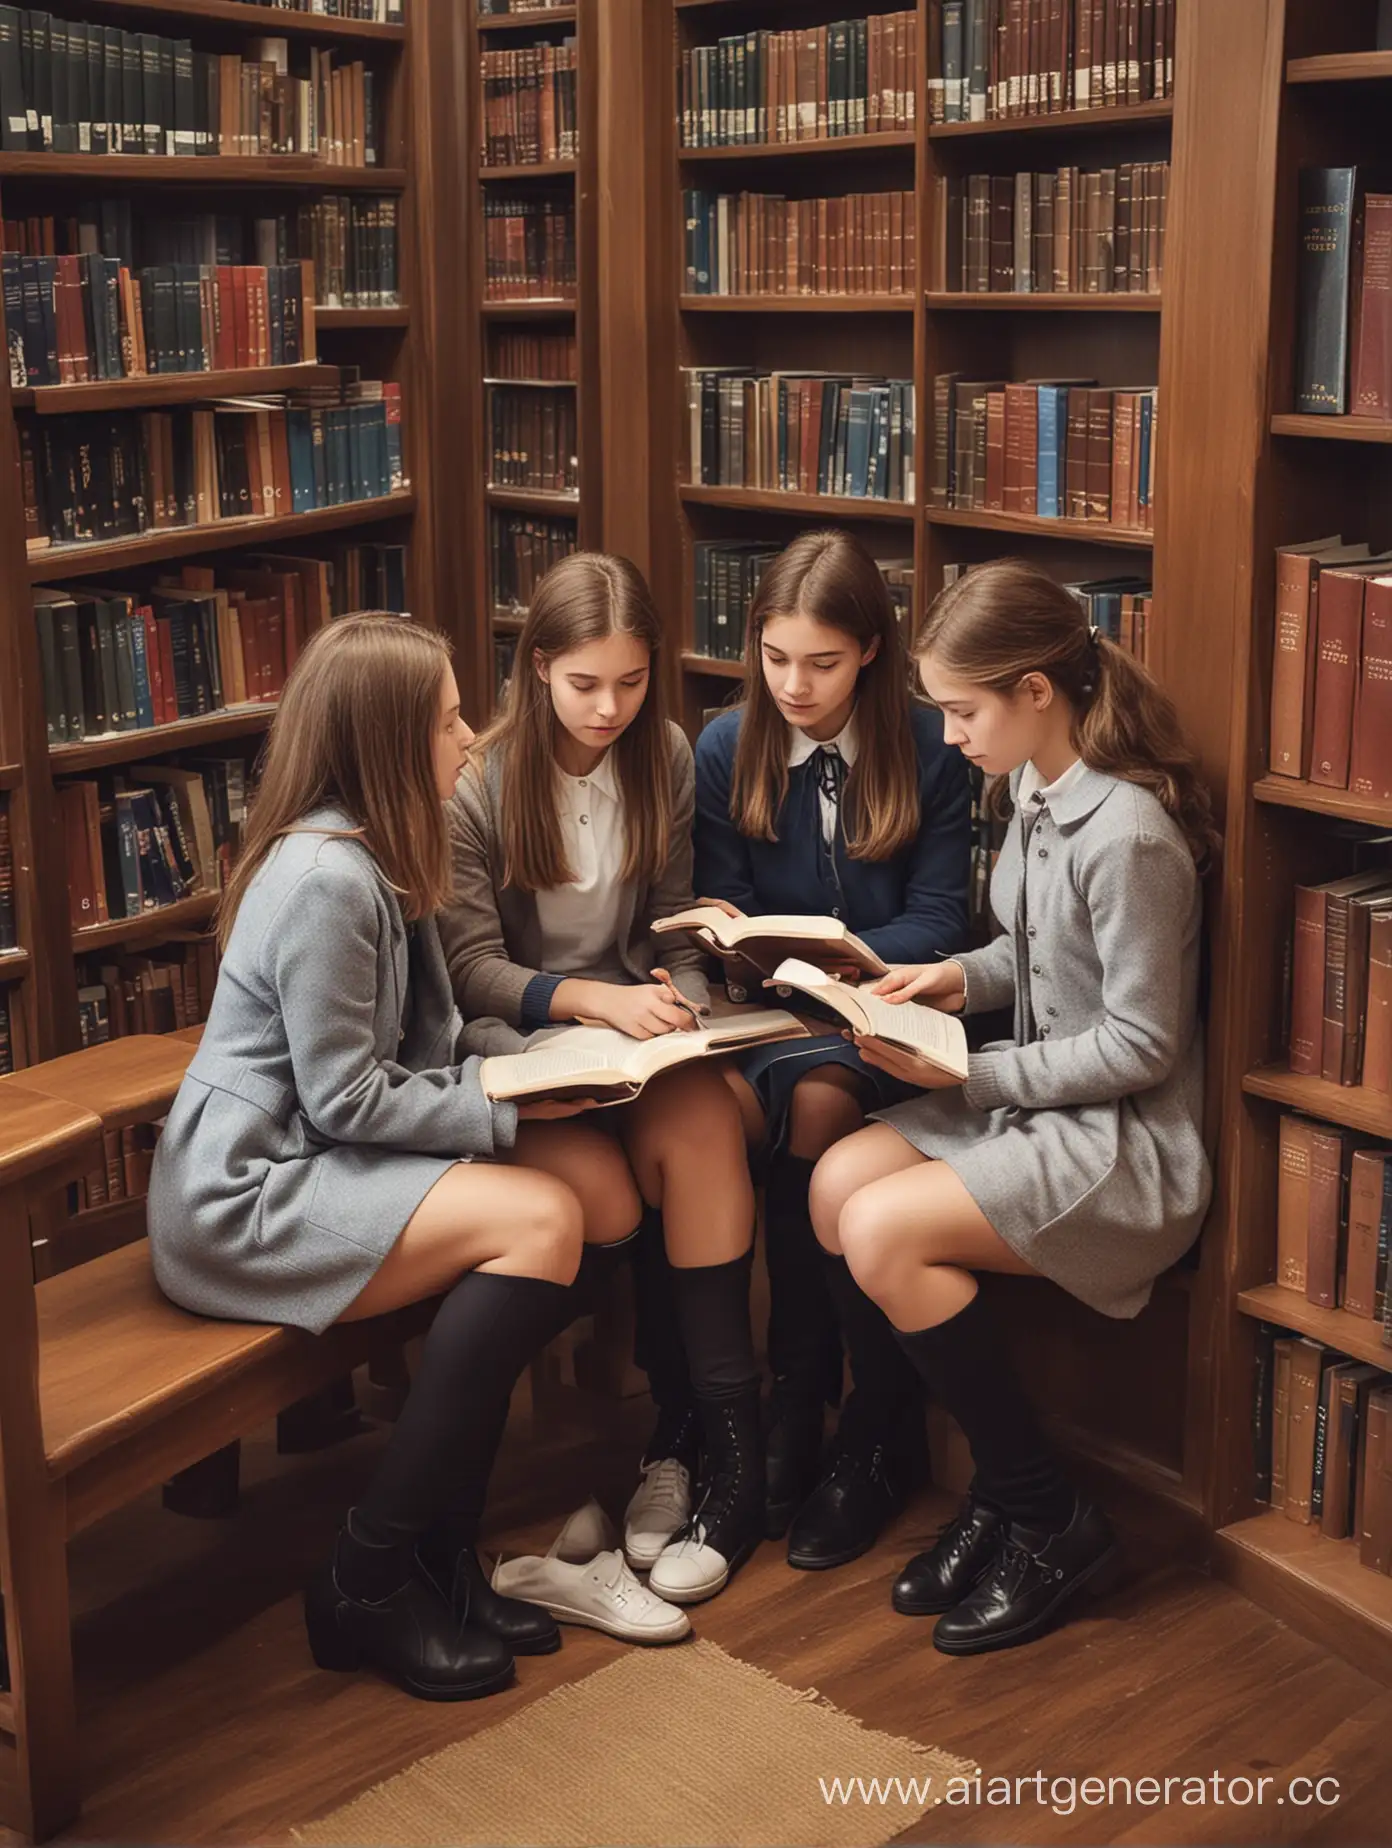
[858,445]
[128,854]
[883,415]
[1147,417]
[144,700]
[301,448]
[1053,432]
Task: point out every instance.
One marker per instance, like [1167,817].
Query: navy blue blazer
[912,908]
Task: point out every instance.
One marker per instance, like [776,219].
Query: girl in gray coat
[312,1167]
[1074,1150]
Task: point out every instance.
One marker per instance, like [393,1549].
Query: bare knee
[834,1179]
[612,1203]
[546,1234]
[872,1252]
[690,1113]
[826,1106]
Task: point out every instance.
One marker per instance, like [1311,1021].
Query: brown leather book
[1293,665]
[1377,1032]
[1029,450]
[82,902]
[1307,982]
[1099,455]
[1345,1386]
[1336,942]
[1370,767]
[1359,1293]
[994,501]
[1362,910]
[1375,1530]
[1337,655]
[1293,1202]
[1370,384]
[1328,1215]
[1002,234]
[1075,457]
[1280,1416]
[1017,398]
[1306,1368]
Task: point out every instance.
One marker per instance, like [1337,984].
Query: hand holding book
[924,1046]
[941,985]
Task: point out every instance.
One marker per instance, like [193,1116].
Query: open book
[939,1040]
[765,942]
[611,1067]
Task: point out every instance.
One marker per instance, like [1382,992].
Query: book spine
[1326,203]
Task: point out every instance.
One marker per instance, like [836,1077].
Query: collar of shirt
[801,746]
[603,779]
[1031,788]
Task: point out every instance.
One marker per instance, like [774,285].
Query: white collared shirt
[1032,785]
[801,746]
[579,922]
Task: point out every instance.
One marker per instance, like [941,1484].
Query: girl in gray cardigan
[571,832]
[1074,1150]
[312,1167]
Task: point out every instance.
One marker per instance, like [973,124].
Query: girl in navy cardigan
[827,793]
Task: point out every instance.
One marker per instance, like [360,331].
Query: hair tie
[1094,635]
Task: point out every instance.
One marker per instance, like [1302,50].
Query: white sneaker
[601,1592]
[661,1505]
[690,1570]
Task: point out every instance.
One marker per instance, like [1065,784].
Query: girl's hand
[722,904]
[941,985]
[689,1009]
[549,1109]
[898,1064]
[643,1011]
[843,969]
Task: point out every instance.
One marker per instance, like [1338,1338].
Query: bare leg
[685,1139]
[594,1167]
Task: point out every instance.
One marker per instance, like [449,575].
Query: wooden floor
[203,1719]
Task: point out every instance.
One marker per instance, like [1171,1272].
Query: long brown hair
[355,730]
[1008,618]
[831,577]
[585,598]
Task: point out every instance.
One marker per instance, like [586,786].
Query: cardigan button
[1052,1012]
[1043,853]
[1036,969]
[834,912]
[1030,931]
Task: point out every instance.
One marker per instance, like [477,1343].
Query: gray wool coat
[1081,1139]
[491,932]
[323,1102]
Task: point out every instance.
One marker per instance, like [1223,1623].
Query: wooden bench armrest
[129,1080]
[41,1136]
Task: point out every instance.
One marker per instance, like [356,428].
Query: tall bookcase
[413,63]
[498,308]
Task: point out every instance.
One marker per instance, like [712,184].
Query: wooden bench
[106,1391]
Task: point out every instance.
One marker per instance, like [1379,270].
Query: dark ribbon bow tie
[830,768]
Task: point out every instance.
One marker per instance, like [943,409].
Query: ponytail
[1008,618]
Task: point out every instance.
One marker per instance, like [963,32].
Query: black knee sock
[484,1333]
[658,1347]
[712,1303]
[804,1340]
[967,1367]
[887,1387]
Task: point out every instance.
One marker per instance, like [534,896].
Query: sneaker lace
[666,1486]
[621,1584]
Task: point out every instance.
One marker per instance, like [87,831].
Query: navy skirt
[772,1071]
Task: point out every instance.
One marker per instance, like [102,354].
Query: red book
[241,326]
[224,320]
[1370,392]
[1307,982]
[1337,656]
[1370,769]
[995,452]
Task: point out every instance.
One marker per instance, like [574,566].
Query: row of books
[528,248]
[73,88]
[488,9]
[1331,668]
[1334,1218]
[763,244]
[529,105]
[994,58]
[111,475]
[851,77]
[1322,1430]
[127,1155]
[1121,608]
[379,12]
[533,439]
[71,320]
[801,433]
[163,991]
[149,835]
[521,550]
[1341,980]
[1343,360]
[1068,231]
[1064,450]
[726,576]
[531,353]
[350,239]
[8,938]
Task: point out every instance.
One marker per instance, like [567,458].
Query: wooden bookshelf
[189,914]
[357,319]
[796,304]
[1342,804]
[184,15]
[1316,1585]
[712,669]
[1061,302]
[521,21]
[1333,429]
[1099,122]
[1353,1335]
[300,170]
[1342,67]
[156,388]
[1369,1112]
[855,147]
[186,734]
[1092,532]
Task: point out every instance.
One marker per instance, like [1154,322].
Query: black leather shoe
[961,1555]
[526,1629]
[792,1454]
[1034,1576]
[410,1635]
[845,1514]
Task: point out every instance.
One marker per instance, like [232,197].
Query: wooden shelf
[185,734]
[208,170]
[1128,115]
[536,384]
[11,776]
[507,623]
[825,506]
[1369,1112]
[57,562]
[796,304]
[188,914]
[531,170]
[1003,301]
[552,308]
[1290,792]
[171,387]
[714,670]
[1353,1335]
[1096,532]
[514,22]
[1333,429]
[797,150]
[334,318]
[1315,1584]
[257,19]
[527,500]
[1341,67]
[14,965]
